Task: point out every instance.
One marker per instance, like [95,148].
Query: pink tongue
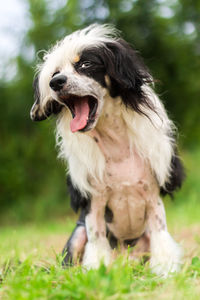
[81,115]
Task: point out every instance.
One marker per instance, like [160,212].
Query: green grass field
[30,264]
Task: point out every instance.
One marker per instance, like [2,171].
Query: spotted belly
[125,215]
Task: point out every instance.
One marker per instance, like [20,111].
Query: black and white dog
[119,143]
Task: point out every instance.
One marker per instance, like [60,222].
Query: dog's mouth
[83,110]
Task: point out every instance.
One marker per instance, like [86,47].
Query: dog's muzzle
[83,107]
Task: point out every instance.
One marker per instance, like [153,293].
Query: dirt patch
[189,238]
[55,243]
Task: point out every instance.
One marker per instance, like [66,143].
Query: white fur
[166,254]
[82,154]
[153,139]
[97,252]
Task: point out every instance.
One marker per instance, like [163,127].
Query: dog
[119,145]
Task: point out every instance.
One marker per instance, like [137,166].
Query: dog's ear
[39,112]
[127,73]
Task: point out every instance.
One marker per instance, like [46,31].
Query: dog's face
[81,69]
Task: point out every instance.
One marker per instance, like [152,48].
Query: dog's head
[81,69]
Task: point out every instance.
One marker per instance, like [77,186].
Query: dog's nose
[58,82]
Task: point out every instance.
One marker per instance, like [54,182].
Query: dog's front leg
[166,254]
[97,249]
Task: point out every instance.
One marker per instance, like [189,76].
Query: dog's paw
[166,254]
[95,254]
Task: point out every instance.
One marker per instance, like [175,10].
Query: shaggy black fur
[125,68]
[36,90]
[176,178]
[76,199]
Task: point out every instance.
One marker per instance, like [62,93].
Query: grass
[29,270]
[30,264]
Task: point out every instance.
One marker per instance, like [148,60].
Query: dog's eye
[85,65]
[57,72]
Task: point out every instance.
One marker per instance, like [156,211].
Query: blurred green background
[32,180]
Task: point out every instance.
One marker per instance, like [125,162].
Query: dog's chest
[123,166]
[124,170]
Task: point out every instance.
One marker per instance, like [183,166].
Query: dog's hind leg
[74,249]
